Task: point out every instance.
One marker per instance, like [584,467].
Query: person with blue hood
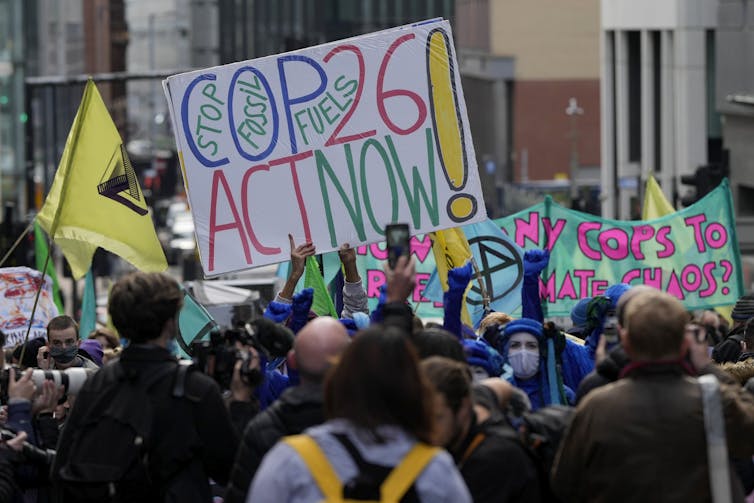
[532,356]
[602,319]
[576,359]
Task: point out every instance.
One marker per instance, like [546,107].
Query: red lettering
[218,178]
[333,140]
[292,160]
[264,250]
[383,95]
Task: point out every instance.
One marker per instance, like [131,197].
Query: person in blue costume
[531,355]
[602,310]
[576,359]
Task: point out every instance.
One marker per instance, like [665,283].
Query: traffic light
[704,180]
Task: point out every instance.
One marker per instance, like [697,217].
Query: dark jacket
[297,409]
[607,371]
[642,438]
[193,438]
[498,469]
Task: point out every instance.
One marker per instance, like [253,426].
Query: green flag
[41,251]
[322,303]
[691,254]
[88,321]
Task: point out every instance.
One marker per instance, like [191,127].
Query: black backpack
[541,432]
[108,458]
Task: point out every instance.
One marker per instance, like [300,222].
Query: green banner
[692,254]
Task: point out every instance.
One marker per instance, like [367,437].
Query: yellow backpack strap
[403,475]
[318,464]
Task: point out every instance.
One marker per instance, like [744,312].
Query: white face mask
[525,363]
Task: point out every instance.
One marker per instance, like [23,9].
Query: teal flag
[499,261]
[194,323]
[692,254]
[88,320]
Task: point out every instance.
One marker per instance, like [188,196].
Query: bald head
[316,347]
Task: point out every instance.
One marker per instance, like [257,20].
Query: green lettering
[246,136]
[365,190]
[354,210]
[301,126]
[209,91]
[321,128]
[342,108]
[350,86]
[419,191]
[325,110]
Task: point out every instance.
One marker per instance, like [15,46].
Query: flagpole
[34,308]
[545,303]
[482,289]
[15,245]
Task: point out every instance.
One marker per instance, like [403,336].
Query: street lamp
[573,111]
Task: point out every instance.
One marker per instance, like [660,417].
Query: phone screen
[398,238]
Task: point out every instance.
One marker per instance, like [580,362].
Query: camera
[30,452]
[217,357]
[71,379]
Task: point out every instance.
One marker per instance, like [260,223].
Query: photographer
[238,359]
[145,428]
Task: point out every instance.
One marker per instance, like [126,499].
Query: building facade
[658,98]
[535,64]
[734,53]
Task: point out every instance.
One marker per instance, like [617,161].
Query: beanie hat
[481,354]
[527,325]
[578,313]
[614,293]
[744,308]
[92,349]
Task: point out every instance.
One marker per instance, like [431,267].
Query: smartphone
[398,238]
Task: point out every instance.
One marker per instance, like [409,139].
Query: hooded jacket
[297,409]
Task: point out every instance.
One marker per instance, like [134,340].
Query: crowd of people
[639,400]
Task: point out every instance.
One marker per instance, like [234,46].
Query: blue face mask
[64,355]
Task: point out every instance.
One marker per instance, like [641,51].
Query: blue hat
[527,325]
[614,293]
[578,313]
[481,354]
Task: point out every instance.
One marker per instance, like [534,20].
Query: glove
[551,331]
[459,277]
[302,303]
[535,261]
[277,311]
[480,354]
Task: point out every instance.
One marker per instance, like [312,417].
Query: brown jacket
[642,439]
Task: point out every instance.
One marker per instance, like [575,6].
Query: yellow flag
[451,249]
[655,203]
[95,199]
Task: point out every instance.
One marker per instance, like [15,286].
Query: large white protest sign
[328,143]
